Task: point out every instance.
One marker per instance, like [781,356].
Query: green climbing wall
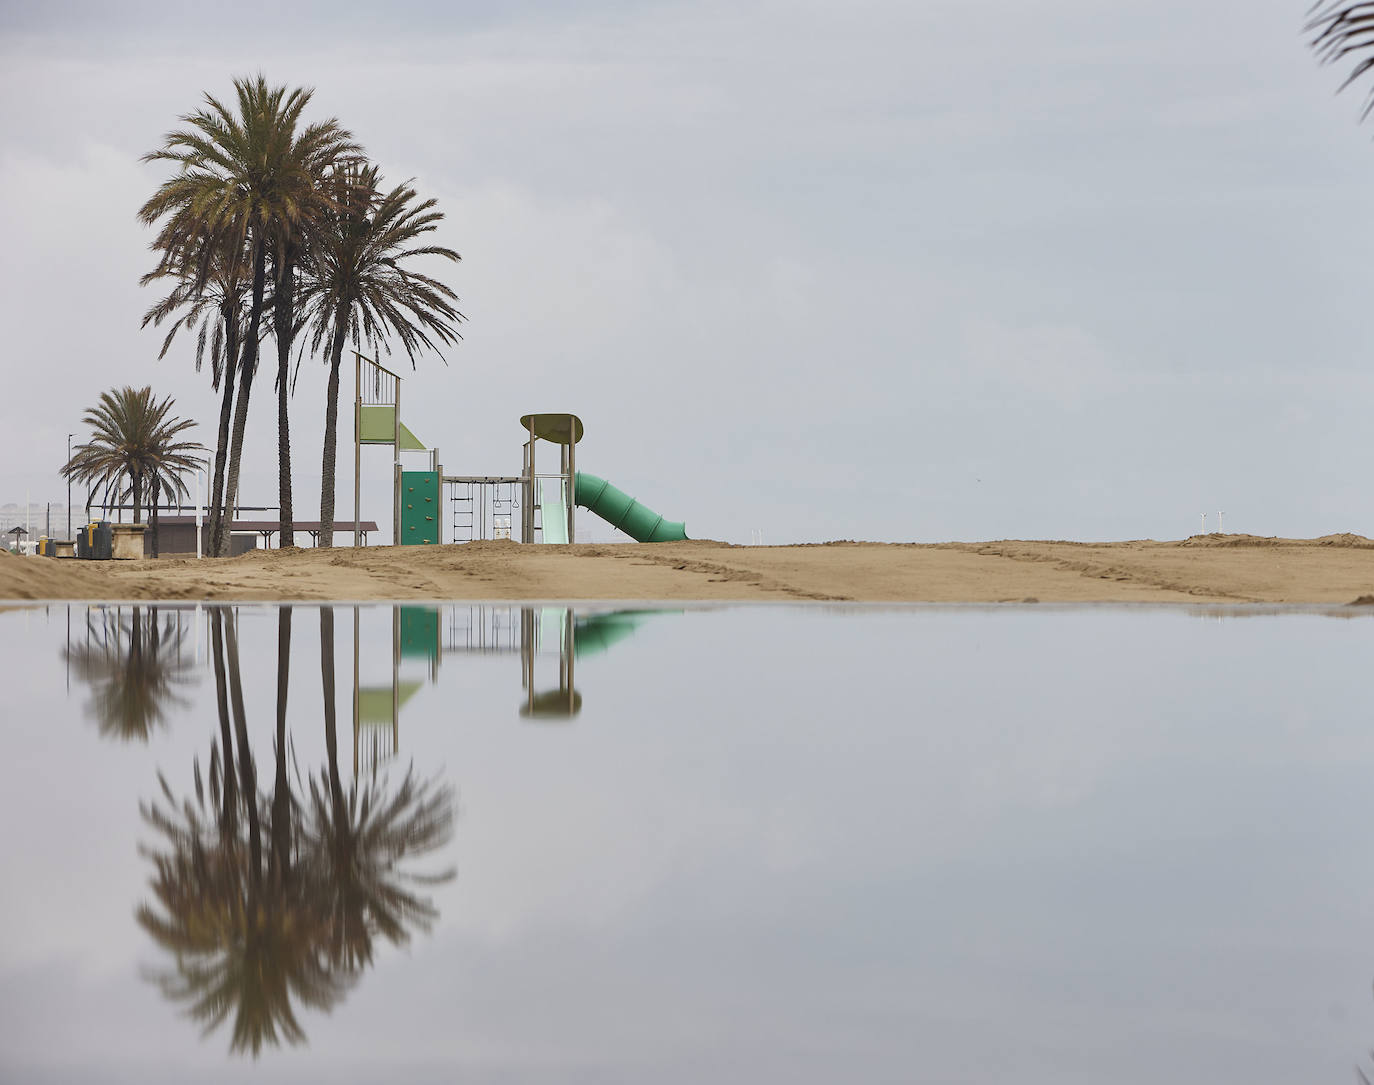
[420,632]
[419,507]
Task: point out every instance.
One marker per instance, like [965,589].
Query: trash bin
[104,541]
[95,542]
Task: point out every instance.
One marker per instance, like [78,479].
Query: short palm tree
[134,669]
[248,179]
[134,440]
[356,287]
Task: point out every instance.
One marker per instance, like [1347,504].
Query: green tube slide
[597,633]
[621,510]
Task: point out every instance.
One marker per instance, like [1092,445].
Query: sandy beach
[1207,568]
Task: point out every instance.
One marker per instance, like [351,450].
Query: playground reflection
[272,896]
[537,634]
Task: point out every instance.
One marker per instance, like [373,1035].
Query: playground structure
[486,506]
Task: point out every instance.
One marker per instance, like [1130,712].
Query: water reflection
[536,634]
[252,932]
[746,856]
[135,667]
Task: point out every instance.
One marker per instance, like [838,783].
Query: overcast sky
[893,271]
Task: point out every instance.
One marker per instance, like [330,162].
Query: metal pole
[569,638]
[355,692]
[395,679]
[396,468]
[533,484]
[572,478]
[357,449]
[69,488]
[527,650]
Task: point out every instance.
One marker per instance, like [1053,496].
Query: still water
[793,843]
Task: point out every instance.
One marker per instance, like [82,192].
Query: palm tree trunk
[281,791]
[133,662]
[229,805]
[153,513]
[226,410]
[136,478]
[282,311]
[247,368]
[331,426]
[248,783]
[331,714]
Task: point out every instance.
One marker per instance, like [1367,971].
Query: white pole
[1219,527]
[1204,523]
[198,523]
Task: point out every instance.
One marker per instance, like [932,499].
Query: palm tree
[248,180]
[216,308]
[357,289]
[1342,30]
[254,935]
[134,669]
[242,941]
[246,936]
[363,836]
[134,438]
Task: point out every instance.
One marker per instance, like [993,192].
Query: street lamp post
[69,489]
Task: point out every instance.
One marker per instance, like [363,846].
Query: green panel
[374,704]
[410,441]
[378,424]
[420,632]
[419,507]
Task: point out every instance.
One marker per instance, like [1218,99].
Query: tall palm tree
[246,937]
[253,935]
[1342,30]
[247,178]
[364,834]
[133,438]
[357,289]
[217,309]
[243,942]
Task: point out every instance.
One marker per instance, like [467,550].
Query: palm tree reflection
[255,936]
[134,667]
[363,835]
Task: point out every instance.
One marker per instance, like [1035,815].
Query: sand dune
[1206,568]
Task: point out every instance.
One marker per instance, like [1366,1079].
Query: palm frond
[1341,30]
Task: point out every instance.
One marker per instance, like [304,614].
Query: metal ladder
[462,508]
